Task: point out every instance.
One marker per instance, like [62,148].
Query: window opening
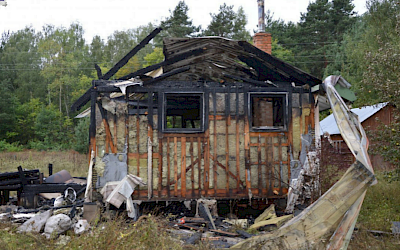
[183,112]
[268,111]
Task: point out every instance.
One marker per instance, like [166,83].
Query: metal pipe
[261,16]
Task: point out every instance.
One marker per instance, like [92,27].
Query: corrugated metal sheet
[329,125]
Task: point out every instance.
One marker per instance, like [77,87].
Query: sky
[103,17]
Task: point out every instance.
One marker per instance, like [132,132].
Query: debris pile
[223,232]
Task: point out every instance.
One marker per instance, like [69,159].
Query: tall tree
[64,59]
[20,64]
[8,105]
[228,23]
[178,23]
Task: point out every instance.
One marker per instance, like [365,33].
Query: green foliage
[155,57]
[7,109]
[10,147]
[81,139]
[26,116]
[52,129]
[281,52]
[121,42]
[131,66]
[316,40]
[228,23]
[373,65]
[178,23]
[391,176]
[385,141]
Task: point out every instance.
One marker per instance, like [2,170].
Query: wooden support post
[259,166]
[199,156]
[237,139]
[92,130]
[206,178]
[215,140]
[267,168]
[247,142]
[138,138]
[183,166]
[227,153]
[126,146]
[149,168]
[160,164]
[168,167]
[115,131]
[191,162]
[280,164]
[273,177]
[176,166]
[227,124]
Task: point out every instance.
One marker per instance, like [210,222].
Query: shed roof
[330,126]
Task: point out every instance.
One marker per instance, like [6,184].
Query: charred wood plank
[131,53]
[173,60]
[52,187]
[109,138]
[168,74]
[295,73]
[85,98]
[98,70]
[247,80]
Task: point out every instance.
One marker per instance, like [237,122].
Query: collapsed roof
[213,59]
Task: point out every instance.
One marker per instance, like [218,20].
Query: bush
[10,147]
[81,140]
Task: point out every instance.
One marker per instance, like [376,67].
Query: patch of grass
[365,240]
[148,233]
[76,164]
[381,205]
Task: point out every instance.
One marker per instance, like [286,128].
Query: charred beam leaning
[131,53]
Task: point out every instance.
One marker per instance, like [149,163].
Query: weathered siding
[227,160]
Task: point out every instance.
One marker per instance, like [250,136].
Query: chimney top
[261,16]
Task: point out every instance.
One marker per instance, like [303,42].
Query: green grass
[77,164]
[381,206]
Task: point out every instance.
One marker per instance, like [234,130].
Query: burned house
[217,119]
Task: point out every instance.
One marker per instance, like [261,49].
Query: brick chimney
[261,39]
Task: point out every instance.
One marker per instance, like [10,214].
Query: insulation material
[123,190]
[233,100]
[36,223]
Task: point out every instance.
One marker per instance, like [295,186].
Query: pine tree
[179,24]
[227,23]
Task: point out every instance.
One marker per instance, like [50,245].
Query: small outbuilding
[371,118]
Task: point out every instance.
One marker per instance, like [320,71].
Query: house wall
[227,160]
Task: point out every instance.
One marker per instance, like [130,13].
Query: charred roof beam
[85,98]
[173,60]
[260,83]
[131,53]
[296,74]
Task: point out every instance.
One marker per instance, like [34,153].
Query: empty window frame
[183,113]
[268,111]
